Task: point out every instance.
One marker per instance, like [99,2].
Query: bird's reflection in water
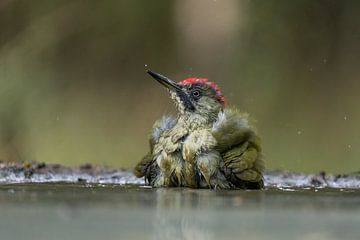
[184,213]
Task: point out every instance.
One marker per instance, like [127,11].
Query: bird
[208,145]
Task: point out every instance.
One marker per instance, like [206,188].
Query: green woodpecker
[208,145]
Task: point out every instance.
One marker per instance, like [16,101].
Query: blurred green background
[73,87]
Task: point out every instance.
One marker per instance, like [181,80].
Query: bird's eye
[196,93]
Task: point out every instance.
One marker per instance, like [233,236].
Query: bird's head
[194,96]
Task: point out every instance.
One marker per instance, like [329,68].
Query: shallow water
[95,211]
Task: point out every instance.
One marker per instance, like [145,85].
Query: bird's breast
[189,144]
[197,142]
[176,154]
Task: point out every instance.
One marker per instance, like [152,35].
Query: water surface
[95,211]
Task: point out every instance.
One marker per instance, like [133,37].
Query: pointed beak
[172,86]
[166,82]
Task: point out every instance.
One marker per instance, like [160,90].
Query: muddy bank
[87,173]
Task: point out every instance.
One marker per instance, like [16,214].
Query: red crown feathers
[204,81]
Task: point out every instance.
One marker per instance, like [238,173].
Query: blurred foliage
[73,86]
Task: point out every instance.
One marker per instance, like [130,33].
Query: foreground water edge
[113,211]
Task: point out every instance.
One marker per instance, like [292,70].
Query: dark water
[84,211]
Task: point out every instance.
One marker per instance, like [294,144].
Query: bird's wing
[240,149]
[165,123]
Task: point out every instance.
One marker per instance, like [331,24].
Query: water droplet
[146,65]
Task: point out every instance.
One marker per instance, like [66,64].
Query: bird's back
[240,149]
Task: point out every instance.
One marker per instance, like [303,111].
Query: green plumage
[235,155]
[207,146]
